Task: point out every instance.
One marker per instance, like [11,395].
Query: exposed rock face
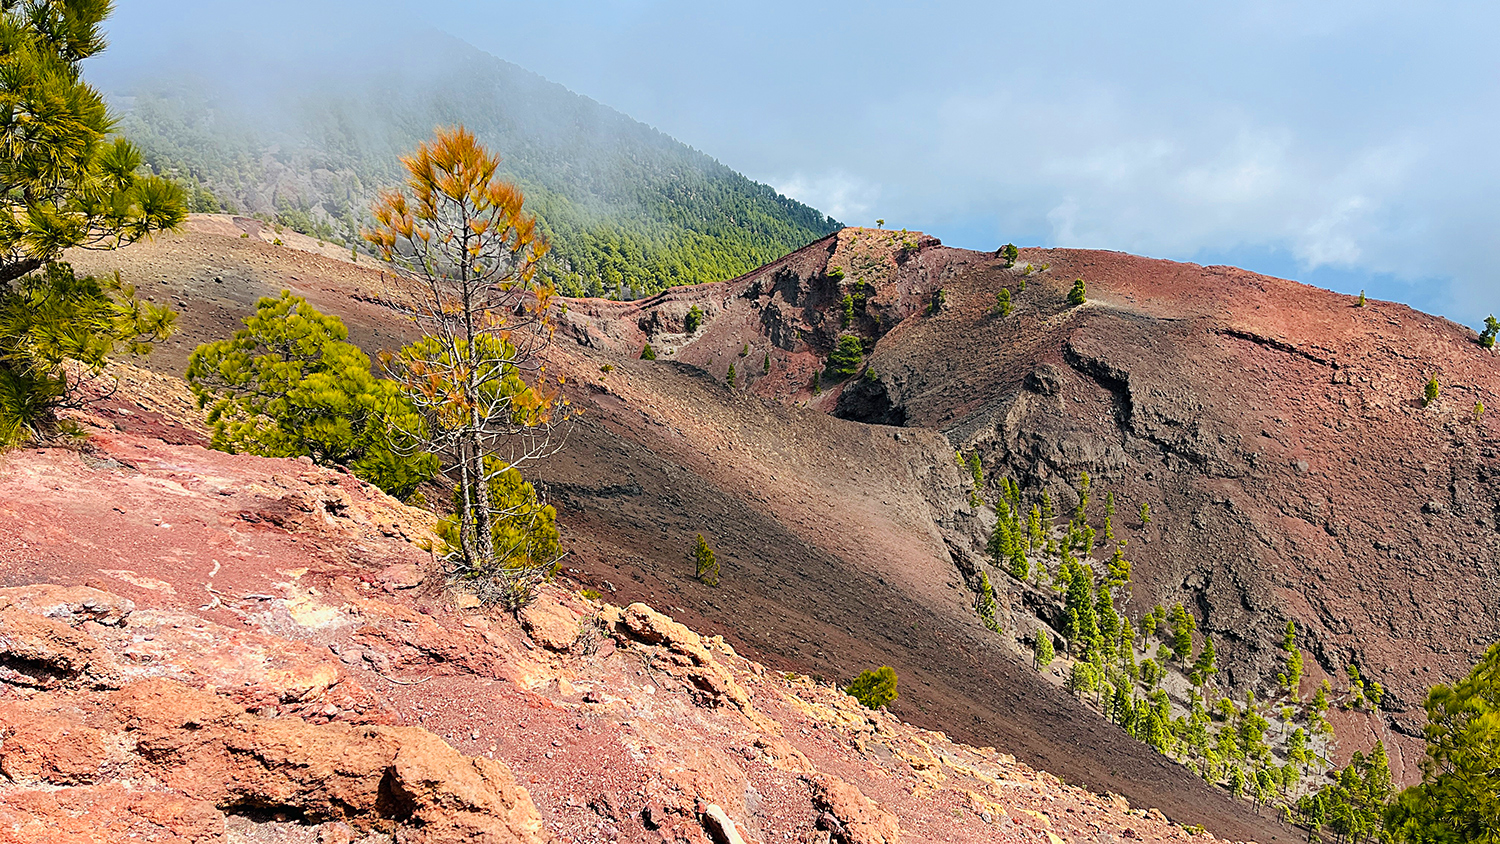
[370,776]
[1274,429]
[244,713]
[45,654]
[851,816]
[844,545]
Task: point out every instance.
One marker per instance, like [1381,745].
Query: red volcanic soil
[1274,429]
[202,647]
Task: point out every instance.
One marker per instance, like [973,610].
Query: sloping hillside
[1277,432]
[624,204]
[206,648]
[837,538]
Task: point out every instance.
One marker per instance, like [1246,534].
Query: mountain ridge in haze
[629,210]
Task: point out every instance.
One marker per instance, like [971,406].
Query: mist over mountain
[305,134]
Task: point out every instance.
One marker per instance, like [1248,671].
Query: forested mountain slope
[629,209]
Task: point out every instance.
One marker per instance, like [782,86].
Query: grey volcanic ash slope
[1276,430]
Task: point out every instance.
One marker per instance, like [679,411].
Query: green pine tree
[1042,652]
[845,359]
[1206,665]
[1078,295]
[68,185]
[875,688]
[1292,674]
[648,353]
[705,562]
[288,384]
[1078,607]
[1183,627]
[1003,305]
[986,603]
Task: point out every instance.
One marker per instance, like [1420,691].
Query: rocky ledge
[202,647]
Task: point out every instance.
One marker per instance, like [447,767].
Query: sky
[1347,145]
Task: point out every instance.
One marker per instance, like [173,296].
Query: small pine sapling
[1291,676]
[648,353]
[875,688]
[847,315]
[1431,392]
[1183,627]
[693,320]
[745,350]
[817,383]
[706,562]
[1042,652]
[939,298]
[1362,300]
[844,360]
[765,366]
[1145,514]
[729,379]
[976,470]
[1491,328]
[985,603]
[1002,302]
[1079,294]
[837,273]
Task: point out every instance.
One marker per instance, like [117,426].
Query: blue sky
[1349,145]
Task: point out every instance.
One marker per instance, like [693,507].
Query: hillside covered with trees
[629,211]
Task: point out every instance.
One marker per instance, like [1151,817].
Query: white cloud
[840,195]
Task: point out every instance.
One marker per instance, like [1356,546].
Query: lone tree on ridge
[466,257]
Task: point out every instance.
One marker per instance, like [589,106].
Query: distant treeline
[629,210]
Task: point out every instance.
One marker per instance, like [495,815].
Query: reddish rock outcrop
[148,707]
[844,545]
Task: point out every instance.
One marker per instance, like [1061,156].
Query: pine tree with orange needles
[465,257]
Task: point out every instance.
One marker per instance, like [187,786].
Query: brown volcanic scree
[1273,428]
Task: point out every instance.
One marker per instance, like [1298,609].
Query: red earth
[1274,429]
